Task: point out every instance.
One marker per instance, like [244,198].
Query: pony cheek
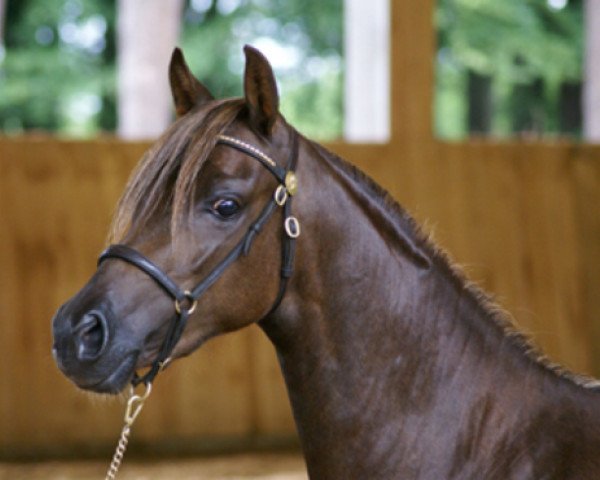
[191,342]
[200,328]
[221,314]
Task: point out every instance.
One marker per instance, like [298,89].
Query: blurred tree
[58,73]
[302,39]
[58,65]
[2,15]
[502,67]
[591,102]
[527,48]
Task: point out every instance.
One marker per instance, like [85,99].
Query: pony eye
[226,207]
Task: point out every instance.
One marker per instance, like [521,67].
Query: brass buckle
[292,227]
[281,195]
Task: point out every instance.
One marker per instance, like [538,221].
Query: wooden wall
[57,198]
[523,218]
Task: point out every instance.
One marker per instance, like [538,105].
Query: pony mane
[163,182]
[499,317]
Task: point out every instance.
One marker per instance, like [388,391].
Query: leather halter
[186,300]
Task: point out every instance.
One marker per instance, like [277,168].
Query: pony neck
[388,358]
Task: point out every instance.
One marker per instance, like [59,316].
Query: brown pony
[396,367]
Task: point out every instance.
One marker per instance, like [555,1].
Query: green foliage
[58,73]
[489,36]
[514,42]
[58,66]
[302,39]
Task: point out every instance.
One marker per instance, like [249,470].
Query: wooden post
[148,30]
[412,57]
[367,72]
[591,92]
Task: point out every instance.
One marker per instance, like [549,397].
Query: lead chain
[134,407]
[115,464]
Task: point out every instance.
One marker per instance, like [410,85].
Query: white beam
[148,30]
[367,70]
[591,85]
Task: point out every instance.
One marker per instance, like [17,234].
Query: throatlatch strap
[176,327]
[288,244]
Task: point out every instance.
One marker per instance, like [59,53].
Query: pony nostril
[91,336]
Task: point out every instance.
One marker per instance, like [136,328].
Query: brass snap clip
[135,404]
[281,195]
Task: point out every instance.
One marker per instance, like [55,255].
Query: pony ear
[186,89]
[260,91]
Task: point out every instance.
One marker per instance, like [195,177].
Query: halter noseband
[187,300]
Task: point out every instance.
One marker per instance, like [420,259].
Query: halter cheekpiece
[186,300]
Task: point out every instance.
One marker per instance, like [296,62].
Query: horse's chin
[116,380]
[187,344]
